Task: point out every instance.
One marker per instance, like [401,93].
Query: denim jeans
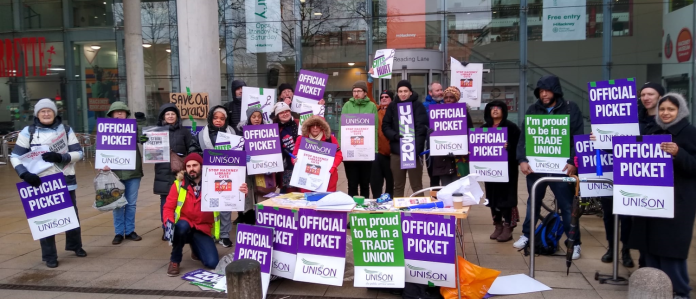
[124,217]
[564,193]
[201,244]
[73,239]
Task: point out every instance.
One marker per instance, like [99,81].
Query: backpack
[547,235]
[32,130]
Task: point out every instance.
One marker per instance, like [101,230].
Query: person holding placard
[665,242]
[551,102]
[254,118]
[124,217]
[435,97]
[381,171]
[447,169]
[183,215]
[288,129]
[62,151]
[285,95]
[360,103]
[649,94]
[317,128]
[234,107]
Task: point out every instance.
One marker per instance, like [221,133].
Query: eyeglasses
[358,91]
[496,108]
[384,97]
[316,126]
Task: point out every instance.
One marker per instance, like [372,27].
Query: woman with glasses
[450,168]
[381,171]
[316,128]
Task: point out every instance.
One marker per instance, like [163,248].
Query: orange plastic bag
[474,281]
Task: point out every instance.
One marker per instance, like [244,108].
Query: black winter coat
[645,121]
[445,165]
[672,237]
[234,107]
[179,142]
[390,124]
[504,195]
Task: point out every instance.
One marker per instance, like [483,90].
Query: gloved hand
[248,158]
[143,138]
[430,131]
[139,115]
[52,157]
[450,155]
[397,137]
[31,179]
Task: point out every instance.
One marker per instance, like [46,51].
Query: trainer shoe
[226,242]
[173,269]
[576,252]
[521,242]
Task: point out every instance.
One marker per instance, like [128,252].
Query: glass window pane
[92,13]
[6,15]
[40,14]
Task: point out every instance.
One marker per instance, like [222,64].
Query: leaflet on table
[449,125]
[262,143]
[613,110]
[488,157]
[49,208]
[643,176]
[429,249]
[468,78]
[383,64]
[587,167]
[547,142]
[405,202]
[116,143]
[285,238]
[358,137]
[223,173]
[33,160]
[407,144]
[262,98]
[226,141]
[378,250]
[156,149]
[321,254]
[314,161]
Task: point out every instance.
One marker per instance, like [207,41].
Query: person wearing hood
[124,217]
[316,128]
[502,197]
[180,140]
[665,242]
[234,107]
[288,129]
[360,103]
[435,96]
[381,169]
[550,101]
[390,127]
[48,127]
[649,94]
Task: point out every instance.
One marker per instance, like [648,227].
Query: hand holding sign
[670,147]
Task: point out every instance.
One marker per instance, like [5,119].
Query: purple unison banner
[116,143]
[643,176]
[285,228]
[587,161]
[407,145]
[314,161]
[613,110]
[256,243]
[448,122]
[487,154]
[49,208]
[429,248]
[262,143]
[311,85]
[321,255]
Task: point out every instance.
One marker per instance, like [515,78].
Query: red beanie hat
[193,157]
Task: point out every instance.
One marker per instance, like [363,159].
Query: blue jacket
[430,101]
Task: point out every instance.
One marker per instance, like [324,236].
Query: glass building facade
[73,50]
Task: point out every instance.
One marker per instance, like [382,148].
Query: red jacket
[190,211]
[333,181]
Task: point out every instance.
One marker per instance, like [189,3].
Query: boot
[506,235]
[626,259]
[497,231]
[609,256]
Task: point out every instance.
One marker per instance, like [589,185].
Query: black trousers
[358,175]
[381,172]
[625,222]
[73,239]
[434,180]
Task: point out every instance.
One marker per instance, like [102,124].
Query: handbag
[176,163]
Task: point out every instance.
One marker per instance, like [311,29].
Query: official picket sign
[49,208]
[383,64]
[321,254]
[358,137]
[587,169]
[223,173]
[643,176]
[469,80]
[314,161]
[488,157]
[262,98]
[285,237]
[226,141]
[262,143]
[156,149]
[448,122]
[309,91]
[377,250]
[116,143]
[547,140]
[256,243]
[429,249]
[407,144]
[613,110]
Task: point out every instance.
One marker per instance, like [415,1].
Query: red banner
[405,24]
[35,61]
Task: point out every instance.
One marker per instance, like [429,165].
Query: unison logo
[545,164]
[419,272]
[280,266]
[447,145]
[318,269]
[113,159]
[353,120]
[641,201]
[372,275]
[52,223]
[260,164]
[487,171]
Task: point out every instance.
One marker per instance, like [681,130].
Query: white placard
[564,20]
[263,98]
[156,149]
[469,80]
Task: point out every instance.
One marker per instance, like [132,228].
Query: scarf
[204,138]
[319,137]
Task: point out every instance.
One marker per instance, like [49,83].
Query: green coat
[362,106]
[138,172]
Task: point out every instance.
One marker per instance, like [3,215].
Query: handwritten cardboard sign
[195,104]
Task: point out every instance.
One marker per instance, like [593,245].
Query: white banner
[468,79]
[647,201]
[320,269]
[564,20]
[263,32]
[263,98]
[490,171]
[547,164]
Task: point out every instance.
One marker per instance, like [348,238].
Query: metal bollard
[244,279]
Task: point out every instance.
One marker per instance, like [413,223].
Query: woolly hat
[251,111]
[280,107]
[45,103]
[221,110]
[387,92]
[656,86]
[404,83]
[455,91]
[284,86]
[360,84]
[193,157]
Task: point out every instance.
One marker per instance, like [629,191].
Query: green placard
[377,239]
[547,135]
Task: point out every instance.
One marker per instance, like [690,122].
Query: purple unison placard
[587,160]
[613,101]
[488,144]
[51,196]
[224,158]
[407,145]
[284,223]
[322,233]
[311,85]
[116,134]
[448,119]
[429,238]
[318,147]
[256,243]
[640,161]
[262,140]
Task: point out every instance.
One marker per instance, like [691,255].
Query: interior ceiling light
[317,14]
[147,45]
[95,47]
[351,63]
[168,50]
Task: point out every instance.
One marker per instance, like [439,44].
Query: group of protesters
[662,243]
